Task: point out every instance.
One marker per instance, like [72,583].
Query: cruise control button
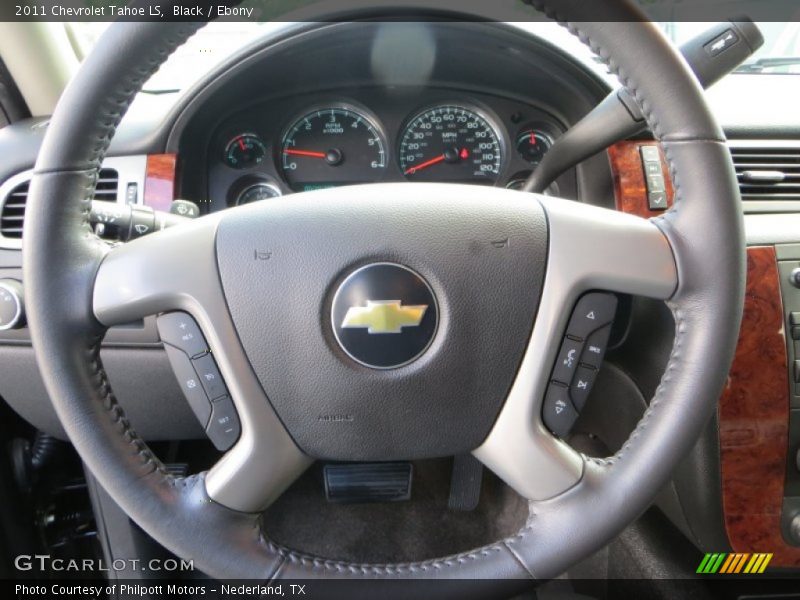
[592,312]
[190,384]
[180,330]
[567,360]
[558,413]
[596,346]
[223,428]
[209,376]
[581,386]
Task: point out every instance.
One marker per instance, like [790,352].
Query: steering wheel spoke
[176,270]
[590,249]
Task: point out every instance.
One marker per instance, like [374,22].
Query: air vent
[13,211]
[107,184]
[768,173]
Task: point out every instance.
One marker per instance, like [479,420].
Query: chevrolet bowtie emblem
[384,316]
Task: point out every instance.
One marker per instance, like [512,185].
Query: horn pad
[388,321]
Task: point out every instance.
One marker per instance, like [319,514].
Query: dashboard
[375,135]
[336,105]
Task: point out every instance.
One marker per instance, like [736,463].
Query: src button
[596,346]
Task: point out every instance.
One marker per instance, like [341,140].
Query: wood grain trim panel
[159,181]
[755,404]
[630,191]
[754,419]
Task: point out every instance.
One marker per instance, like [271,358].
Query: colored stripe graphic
[727,564]
[763,566]
[734,563]
[753,563]
[740,563]
[703,563]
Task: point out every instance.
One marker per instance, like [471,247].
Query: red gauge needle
[241,145]
[425,165]
[307,153]
[449,156]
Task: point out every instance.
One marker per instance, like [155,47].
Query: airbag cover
[483,256]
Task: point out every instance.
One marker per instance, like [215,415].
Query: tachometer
[332,146]
[451,143]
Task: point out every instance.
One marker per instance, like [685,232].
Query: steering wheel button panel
[208,373]
[592,312]
[200,378]
[558,413]
[578,360]
[190,384]
[180,330]
[223,427]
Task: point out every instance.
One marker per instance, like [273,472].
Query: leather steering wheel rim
[704,231]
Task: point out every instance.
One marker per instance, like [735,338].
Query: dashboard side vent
[107,184]
[12,214]
[14,211]
[768,173]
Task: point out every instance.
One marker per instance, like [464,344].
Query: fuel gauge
[532,145]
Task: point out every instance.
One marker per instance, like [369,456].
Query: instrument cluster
[384,135]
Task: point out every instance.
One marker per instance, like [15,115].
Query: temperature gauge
[532,145]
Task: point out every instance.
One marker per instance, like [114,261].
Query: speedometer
[451,143]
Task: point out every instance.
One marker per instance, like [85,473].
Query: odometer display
[330,147]
[451,143]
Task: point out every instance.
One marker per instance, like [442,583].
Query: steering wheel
[493,271]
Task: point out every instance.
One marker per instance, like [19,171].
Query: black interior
[357,65]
